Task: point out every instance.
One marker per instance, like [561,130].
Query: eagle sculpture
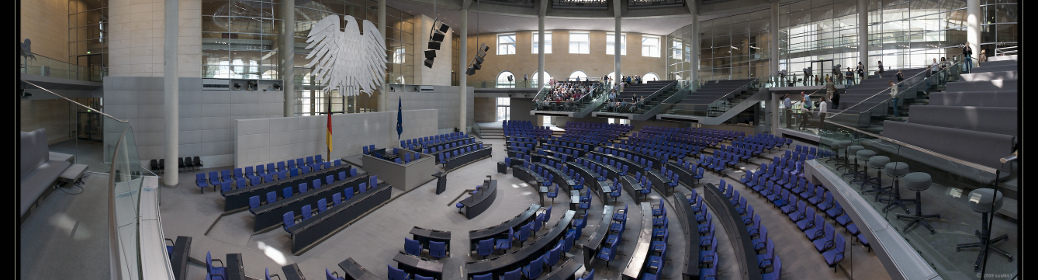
[347,60]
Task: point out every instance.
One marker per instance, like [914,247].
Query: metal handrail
[887,89]
[74,102]
[113,225]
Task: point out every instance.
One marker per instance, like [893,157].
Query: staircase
[489,132]
[656,94]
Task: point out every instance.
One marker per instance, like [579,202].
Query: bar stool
[918,182]
[842,160]
[877,163]
[863,155]
[896,170]
[851,154]
[985,201]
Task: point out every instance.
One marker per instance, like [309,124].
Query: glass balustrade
[48,67]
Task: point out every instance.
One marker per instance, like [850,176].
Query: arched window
[650,77]
[533,79]
[578,75]
[505,80]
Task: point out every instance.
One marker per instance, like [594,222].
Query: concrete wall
[560,63]
[484,109]
[58,116]
[444,99]
[266,140]
[136,33]
[207,118]
[45,24]
[520,110]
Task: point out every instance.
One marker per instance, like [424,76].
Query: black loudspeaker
[470,71]
[434,45]
[428,62]
[479,60]
[437,37]
[444,27]
[430,54]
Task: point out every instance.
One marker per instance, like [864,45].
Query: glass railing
[622,105]
[49,67]
[495,84]
[120,160]
[567,106]
[711,107]
[943,241]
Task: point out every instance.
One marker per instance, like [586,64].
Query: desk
[567,271]
[417,266]
[441,182]
[354,271]
[423,236]
[729,218]
[239,198]
[479,202]
[270,215]
[641,247]
[687,219]
[181,250]
[235,267]
[594,241]
[292,272]
[467,158]
[312,231]
[494,231]
[602,187]
[524,255]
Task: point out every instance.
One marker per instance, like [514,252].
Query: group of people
[803,109]
[565,94]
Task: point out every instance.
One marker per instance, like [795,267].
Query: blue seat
[336,199]
[342,175]
[331,275]
[201,182]
[238,174]
[523,233]
[590,275]
[254,201]
[515,274]
[397,274]
[272,196]
[776,269]
[834,256]
[553,256]
[302,188]
[215,270]
[533,270]
[607,254]
[412,247]
[317,184]
[553,194]
[322,205]
[225,187]
[240,183]
[488,276]
[504,243]
[348,193]
[267,178]
[437,249]
[538,222]
[286,192]
[362,187]
[306,212]
[485,247]
[254,181]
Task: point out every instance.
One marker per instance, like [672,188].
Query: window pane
[547,42]
[506,44]
[579,43]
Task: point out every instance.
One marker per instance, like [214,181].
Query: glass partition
[48,67]
[124,184]
[580,95]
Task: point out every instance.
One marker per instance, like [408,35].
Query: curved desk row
[594,241]
[556,149]
[687,218]
[502,229]
[655,160]
[479,202]
[423,236]
[309,232]
[467,158]
[567,270]
[684,175]
[634,166]
[459,148]
[239,198]
[602,187]
[524,255]
[641,247]
[415,265]
[730,219]
[270,215]
[354,271]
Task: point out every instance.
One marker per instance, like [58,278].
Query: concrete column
[616,50]
[171,91]
[382,93]
[973,20]
[288,55]
[463,63]
[694,56]
[863,35]
[540,51]
[774,43]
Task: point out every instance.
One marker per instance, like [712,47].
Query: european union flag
[399,117]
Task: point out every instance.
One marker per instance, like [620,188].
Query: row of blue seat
[615,236]
[446,146]
[435,249]
[658,246]
[416,143]
[766,260]
[444,156]
[533,269]
[287,192]
[307,212]
[254,176]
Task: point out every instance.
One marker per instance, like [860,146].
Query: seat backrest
[336,198]
[437,249]
[289,219]
[322,205]
[302,187]
[307,211]
[286,192]
[412,246]
[254,201]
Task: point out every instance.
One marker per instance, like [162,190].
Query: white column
[171,91]
[383,92]
[863,35]
[694,56]
[616,49]
[288,55]
[540,51]
[973,28]
[463,64]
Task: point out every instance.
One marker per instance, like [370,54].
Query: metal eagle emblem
[347,60]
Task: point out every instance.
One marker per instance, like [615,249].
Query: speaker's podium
[402,169]
[441,182]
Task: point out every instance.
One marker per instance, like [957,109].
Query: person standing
[830,89]
[807,106]
[849,76]
[983,57]
[861,72]
[967,53]
[900,76]
[880,72]
[822,110]
[893,98]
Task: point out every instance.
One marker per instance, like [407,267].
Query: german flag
[329,139]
